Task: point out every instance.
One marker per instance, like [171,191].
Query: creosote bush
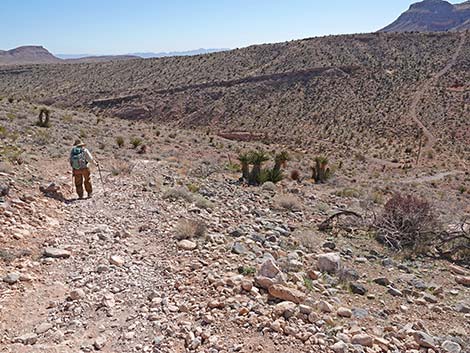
[407,221]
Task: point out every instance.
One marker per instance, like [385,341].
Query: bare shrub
[122,167]
[288,202]
[189,228]
[406,221]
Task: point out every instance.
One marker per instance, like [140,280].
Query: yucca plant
[321,172]
[280,160]
[257,158]
[245,159]
[273,175]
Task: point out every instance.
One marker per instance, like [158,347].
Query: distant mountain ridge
[146,55]
[35,54]
[432,16]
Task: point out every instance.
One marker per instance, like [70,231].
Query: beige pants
[82,176]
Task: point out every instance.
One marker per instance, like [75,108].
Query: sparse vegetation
[320,171]
[189,229]
[120,141]
[44,118]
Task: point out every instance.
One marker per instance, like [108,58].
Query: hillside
[432,16]
[27,55]
[368,94]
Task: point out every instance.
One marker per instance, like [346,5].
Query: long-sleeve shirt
[88,157]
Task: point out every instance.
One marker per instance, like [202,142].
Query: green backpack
[78,158]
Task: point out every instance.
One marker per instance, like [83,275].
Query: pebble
[116,260]
[363,340]
[329,262]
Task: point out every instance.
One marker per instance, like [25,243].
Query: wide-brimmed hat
[79,143]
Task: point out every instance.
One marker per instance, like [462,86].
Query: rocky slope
[173,254]
[432,16]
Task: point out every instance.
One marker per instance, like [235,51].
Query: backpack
[78,158]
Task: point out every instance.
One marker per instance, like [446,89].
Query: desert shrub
[349,192]
[201,202]
[256,158]
[11,100]
[120,141]
[189,228]
[122,167]
[246,270]
[44,118]
[295,175]
[193,187]
[406,221]
[136,142]
[288,202]
[178,193]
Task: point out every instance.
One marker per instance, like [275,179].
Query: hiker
[80,157]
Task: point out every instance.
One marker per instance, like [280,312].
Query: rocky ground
[173,254]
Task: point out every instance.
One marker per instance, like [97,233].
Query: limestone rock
[285,293]
[330,262]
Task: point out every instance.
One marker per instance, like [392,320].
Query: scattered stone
[239,248]
[359,313]
[340,347]
[395,292]
[247,285]
[11,278]
[424,340]
[363,340]
[43,328]
[430,298]
[77,294]
[27,339]
[286,309]
[344,312]
[330,262]
[186,244]
[383,281]
[357,288]
[99,343]
[282,292]
[451,347]
[325,307]
[329,245]
[56,253]
[116,260]
[463,280]
[462,308]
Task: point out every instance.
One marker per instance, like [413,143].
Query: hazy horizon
[123,26]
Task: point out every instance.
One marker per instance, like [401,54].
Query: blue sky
[124,26]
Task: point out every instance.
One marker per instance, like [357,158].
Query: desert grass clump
[120,141]
[407,221]
[189,229]
[44,118]
[288,202]
[273,175]
[178,193]
[136,142]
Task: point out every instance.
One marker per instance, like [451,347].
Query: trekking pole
[101,177]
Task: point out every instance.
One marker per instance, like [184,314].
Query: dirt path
[413,114]
[430,178]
